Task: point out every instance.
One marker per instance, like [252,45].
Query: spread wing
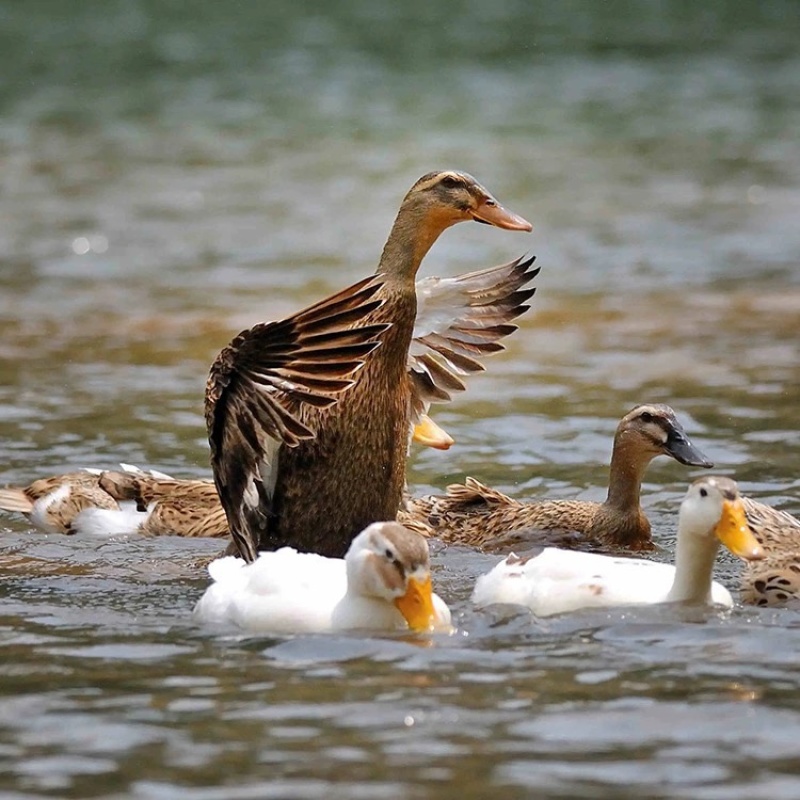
[460,320]
[259,383]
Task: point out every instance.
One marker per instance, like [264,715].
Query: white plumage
[558,581]
[385,569]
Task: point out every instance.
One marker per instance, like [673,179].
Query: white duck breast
[558,581]
[383,583]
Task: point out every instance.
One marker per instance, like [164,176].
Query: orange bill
[492,213]
[734,532]
[416,605]
[429,434]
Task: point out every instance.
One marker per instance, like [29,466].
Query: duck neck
[625,475]
[412,236]
[694,565]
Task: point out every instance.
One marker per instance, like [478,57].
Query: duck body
[558,581]
[51,504]
[475,514]
[155,505]
[774,581]
[290,592]
[354,468]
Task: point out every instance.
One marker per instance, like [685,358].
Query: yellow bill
[734,532]
[416,605]
[429,434]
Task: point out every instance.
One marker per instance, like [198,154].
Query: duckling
[477,515]
[383,583]
[776,579]
[557,581]
[276,484]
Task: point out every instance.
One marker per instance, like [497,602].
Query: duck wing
[460,320]
[258,384]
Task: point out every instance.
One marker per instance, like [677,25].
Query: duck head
[449,197]
[390,562]
[652,430]
[713,508]
[434,203]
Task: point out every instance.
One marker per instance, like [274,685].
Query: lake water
[173,172]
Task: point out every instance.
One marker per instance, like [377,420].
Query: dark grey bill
[682,450]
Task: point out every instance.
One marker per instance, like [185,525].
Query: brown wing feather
[256,386]
[482,305]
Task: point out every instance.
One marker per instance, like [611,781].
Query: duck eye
[389,554]
[646,416]
[449,182]
[704,493]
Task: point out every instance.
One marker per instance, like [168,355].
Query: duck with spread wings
[292,469]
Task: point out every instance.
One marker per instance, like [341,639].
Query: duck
[775,580]
[383,583]
[279,469]
[51,504]
[477,515]
[459,320]
[155,504]
[558,581]
[125,501]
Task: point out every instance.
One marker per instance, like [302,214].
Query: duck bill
[429,434]
[684,452]
[734,532]
[416,605]
[491,212]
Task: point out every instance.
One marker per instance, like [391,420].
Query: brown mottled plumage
[52,503]
[169,506]
[175,506]
[316,494]
[776,579]
[477,515]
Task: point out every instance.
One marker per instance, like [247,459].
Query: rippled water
[174,172]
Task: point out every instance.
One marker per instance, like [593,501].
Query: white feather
[40,513]
[108,522]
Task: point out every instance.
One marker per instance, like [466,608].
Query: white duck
[557,581]
[382,583]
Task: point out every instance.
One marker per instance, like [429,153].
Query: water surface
[174,172]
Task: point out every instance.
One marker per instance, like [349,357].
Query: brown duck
[476,515]
[286,486]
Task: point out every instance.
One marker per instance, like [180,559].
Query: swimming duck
[51,504]
[383,583]
[477,515]
[353,466]
[776,579]
[557,581]
[159,506]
